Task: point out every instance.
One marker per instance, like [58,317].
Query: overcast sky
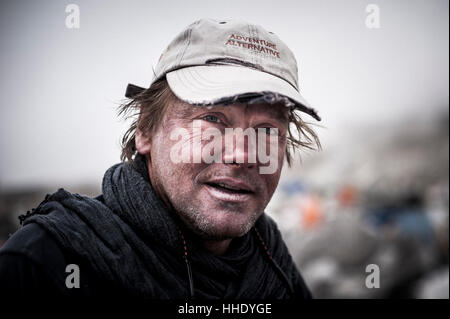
[60,87]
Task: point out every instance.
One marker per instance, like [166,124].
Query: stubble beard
[189,209]
[206,228]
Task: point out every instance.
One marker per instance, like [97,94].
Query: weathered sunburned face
[218,183]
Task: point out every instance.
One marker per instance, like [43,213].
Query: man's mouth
[229,189]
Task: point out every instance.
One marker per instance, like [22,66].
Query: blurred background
[377,72]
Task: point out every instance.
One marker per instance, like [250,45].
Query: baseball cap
[212,61]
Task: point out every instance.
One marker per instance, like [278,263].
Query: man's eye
[212,118]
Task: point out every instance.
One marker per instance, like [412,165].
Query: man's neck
[217,247]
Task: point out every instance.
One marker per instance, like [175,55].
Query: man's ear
[142,142]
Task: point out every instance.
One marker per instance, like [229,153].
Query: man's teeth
[228,187]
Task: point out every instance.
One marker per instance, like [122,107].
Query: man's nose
[239,152]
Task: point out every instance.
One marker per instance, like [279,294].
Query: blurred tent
[381,200]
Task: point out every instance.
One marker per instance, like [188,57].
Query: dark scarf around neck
[133,240]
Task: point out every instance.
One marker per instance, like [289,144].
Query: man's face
[222,199]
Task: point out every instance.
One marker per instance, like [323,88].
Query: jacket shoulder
[31,261]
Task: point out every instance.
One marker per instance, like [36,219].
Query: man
[183,215]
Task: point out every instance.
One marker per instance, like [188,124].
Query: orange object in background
[311,212]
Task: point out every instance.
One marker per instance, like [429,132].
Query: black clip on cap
[133,90]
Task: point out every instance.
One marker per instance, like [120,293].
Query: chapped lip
[232,183]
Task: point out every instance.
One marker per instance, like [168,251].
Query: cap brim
[208,85]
